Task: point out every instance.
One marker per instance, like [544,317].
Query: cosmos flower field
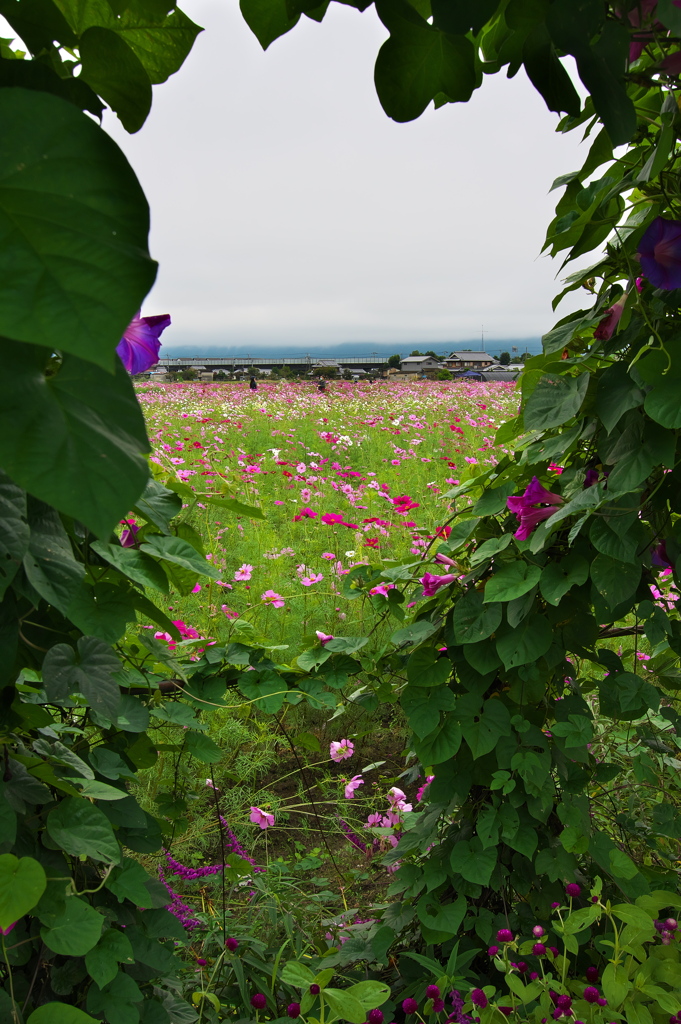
[356,473]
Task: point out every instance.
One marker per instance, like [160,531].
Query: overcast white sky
[287,208]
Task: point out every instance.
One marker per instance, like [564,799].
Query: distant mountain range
[353,348]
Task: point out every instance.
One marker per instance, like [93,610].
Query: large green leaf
[89,670]
[473,620]
[469,860]
[511,581]
[561,575]
[482,724]
[418,62]
[22,883]
[49,565]
[178,552]
[103,610]
[158,505]
[59,1013]
[527,642]
[440,745]
[134,564]
[555,399]
[426,668]
[615,581]
[117,74]
[14,536]
[74,264]
[602,68]
[74,930]
[71,434]
[267,19]
[79,827]
[345,1006]
[117,1000]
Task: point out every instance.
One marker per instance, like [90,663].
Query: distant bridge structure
[232,363]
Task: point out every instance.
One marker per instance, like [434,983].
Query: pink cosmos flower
[340,750]
[307,581]
[335,518]
[244,573]
[432,583]
[323,637]
[529,516]
[305,513]
[398,799]
[226,610]
[261,818]
[611,318]
[355,782]
[141,341]
[382,589]
[271,597]
[196,589]
[660,252]
[328,555]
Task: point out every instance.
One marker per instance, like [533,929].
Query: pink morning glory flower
[340,750]
[271,597]
[432,583]
[611,318]
[261,818]
[127,537]
[529,517]
[141,341]
[660,252]
[323,638]
[355,782]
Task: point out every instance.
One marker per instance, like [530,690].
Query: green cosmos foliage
[506,673]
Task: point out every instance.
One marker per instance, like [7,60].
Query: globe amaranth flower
[660,253]
[572,889]
[258,1001]
[375,1016]
[410,1005]
[478,998]
[293,1010]
[524,506]
[314,989]
[432,992]
[141,341]
[539,949]
[261,818]
[591,994]
[504,935]
[591,974]
[339,750]
[538,931]
[232,944]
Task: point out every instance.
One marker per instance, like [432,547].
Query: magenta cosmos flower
[340,750]
[660,252]
[271,597]
[528,515]
[261,818]
[138,348]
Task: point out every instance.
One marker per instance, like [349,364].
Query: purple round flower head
[293,1010]
[314,990]
[493,950]
[232,944]
[666,937]
[591,994]
[572,889]
[410,1005]
[557,1013]
[533,975]
[565,1002]
[601,1001]
[432,992]
[522,967]
[375,1016]
[591,974]
[553,950]
[138,348]
[258,1001]
[504,935]
[478,998]
[538,931]
[659,926]
[438,1005]
[539,949]
[660,252]
[201,962]
[671,924]
[554,906]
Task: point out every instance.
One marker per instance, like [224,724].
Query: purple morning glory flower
[529,516]
[660,252]
[138,348]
